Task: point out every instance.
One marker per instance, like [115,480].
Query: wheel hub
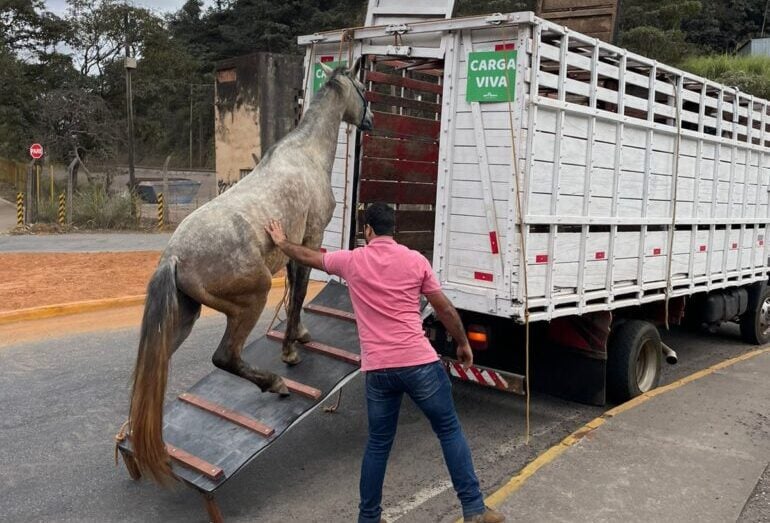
[764,317]
[646,364]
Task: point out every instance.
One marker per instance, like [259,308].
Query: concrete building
[257,103]
[755,47]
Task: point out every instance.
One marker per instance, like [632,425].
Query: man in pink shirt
[385,281]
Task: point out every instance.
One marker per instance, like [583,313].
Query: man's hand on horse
[275,230]
[299,253]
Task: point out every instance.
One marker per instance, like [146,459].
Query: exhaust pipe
[669,354]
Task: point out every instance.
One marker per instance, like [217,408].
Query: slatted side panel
[640,178]
[399,157]
[479,160]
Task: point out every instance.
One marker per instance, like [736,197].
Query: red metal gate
[399,158]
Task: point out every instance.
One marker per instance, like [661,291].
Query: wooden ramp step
[321,348]
[228,414]
[202,466]
[302,389]
[331,312]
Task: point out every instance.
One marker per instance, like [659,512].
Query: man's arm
[447,314]
[299,253]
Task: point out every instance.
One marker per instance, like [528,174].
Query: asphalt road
[84,242]
[63,400]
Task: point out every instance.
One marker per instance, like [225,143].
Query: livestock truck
[573,197]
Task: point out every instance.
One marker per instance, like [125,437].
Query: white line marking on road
[421,496]
[494,455]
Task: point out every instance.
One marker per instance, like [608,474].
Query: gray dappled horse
[222,257]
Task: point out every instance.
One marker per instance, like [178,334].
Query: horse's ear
[326,69]
[353,71]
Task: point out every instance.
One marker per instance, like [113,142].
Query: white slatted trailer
[637,183]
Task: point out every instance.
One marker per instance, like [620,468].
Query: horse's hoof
[279,387]
[291,359]
[305,337]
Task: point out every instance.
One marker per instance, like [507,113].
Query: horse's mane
[333,83]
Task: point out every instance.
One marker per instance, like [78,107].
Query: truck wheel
[755,322]
[634,359]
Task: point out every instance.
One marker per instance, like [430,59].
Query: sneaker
[488,516]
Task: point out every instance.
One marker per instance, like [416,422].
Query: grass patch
[750,74]
[95,208]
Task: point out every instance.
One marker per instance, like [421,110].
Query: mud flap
[571,363]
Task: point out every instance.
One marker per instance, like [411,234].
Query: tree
[73,120]
[98,33]
[16,108]
[162,94]
[26,27]
[721,26]
[653,28]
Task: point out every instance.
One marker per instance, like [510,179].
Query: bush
[47,212]
[94,208]
[750,74]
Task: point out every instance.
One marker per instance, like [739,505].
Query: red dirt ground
[34,280]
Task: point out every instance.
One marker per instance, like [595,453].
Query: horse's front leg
[295,331]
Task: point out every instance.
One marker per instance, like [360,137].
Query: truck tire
[755,322]
[634,359]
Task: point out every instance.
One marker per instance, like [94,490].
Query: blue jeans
[429,387]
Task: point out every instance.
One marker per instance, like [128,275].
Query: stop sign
[36,151]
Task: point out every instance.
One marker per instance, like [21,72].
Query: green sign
[319,76]
[491,76]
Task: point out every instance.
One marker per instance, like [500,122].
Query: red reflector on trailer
[493,242]
[484,276]
[702,248]
[761,242]
[541,258]
[600,255]
[656,251]
[325,59]
[505,47]
[735,245]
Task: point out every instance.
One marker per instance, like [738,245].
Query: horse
[222,257]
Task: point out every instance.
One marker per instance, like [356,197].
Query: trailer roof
[515,18]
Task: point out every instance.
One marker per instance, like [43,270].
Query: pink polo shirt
[385,280]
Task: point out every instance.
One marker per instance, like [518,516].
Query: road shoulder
[694,453]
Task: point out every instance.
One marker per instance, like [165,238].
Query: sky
[165,6]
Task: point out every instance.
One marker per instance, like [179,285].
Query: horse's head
[357,110]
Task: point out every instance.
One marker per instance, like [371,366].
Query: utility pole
[130,64]
[191,123]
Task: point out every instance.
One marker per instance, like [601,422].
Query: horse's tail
[159,327]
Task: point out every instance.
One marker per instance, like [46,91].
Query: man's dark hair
[382,218]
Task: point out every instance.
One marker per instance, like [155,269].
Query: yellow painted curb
[495,499]
[61,309]
[78,307]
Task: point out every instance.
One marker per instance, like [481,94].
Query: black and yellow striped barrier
[19,209]
[62,209]
[161,211]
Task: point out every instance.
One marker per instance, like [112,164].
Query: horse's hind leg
[189,312]
[295,331]
[240,322]
[303,335]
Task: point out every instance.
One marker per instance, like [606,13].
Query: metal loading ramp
[224,422]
